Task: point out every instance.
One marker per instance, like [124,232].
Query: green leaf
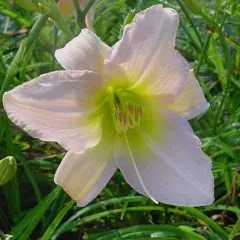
[217,59]
[25,227]
[47,235]
[236,230]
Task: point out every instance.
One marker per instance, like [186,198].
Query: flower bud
[8,168]
[129,18]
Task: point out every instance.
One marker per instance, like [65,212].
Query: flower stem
[82,13]
[78,9]
[88,6]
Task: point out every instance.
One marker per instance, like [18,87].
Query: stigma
[128,117]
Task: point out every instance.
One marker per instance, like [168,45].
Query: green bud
[129,18]
[8,168]
[30,5]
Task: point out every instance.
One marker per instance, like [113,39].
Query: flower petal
[169,167]
[83,176]
[53,107]
[85,52]
[146,52]
[191,102]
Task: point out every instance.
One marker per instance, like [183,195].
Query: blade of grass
[217,59]
[14,193]
[49,232]
[190,21]
[25,227]
[140,231]
[208,221]
[31,178]
[235,231]
[15,16]
[92,207]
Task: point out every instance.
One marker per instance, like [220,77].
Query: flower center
[125,114]
[129,117]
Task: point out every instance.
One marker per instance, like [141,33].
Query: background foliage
[32,207]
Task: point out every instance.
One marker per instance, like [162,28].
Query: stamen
[139,114]
[129,118]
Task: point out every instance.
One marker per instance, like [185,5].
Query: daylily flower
[66,8]
[123,107]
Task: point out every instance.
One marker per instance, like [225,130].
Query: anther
[132,116]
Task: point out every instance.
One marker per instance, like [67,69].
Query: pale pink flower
[66,8]
[123,107]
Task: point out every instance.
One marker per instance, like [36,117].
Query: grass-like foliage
[33,207]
